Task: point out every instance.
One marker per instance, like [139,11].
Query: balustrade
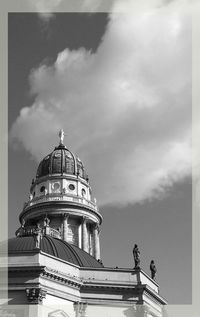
[60,197]
[30,230]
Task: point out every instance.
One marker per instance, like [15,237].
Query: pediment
[58,313]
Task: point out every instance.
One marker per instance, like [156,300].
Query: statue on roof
[136,256]
[37,236]
[61,136]
[153,269]
[46,221]
[23,223]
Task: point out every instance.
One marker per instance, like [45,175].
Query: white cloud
[45,8]
[91,5]
[126,108]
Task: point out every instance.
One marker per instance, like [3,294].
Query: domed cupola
[61,203]
[61,161]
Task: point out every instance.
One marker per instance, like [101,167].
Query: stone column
[96,242]
[80,309]
[80,236]
[65,226]
[91,244]
[84,235]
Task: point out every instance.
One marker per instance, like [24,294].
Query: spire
[61,136]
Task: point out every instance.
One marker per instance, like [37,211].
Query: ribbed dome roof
[61,161]
[55,247]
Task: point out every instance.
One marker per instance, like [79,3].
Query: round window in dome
[57,155]
[42,189]
[83,192]
[71,186]
[55,186]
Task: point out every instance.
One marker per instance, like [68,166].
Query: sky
[120,87]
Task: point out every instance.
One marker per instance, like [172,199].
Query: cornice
[112,285]
[62,278]
[60,176]
[33,268]
[82,284]
[60,207]
[154,296]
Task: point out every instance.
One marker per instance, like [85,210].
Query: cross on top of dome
[61,136]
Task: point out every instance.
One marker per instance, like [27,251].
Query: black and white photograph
[100,159]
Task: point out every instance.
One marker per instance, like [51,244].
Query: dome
[61,204]
[55,247]
[61,161]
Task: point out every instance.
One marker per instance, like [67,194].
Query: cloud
[91,5]
[126,108]
[45,8]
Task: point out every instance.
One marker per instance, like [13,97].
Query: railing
[54,233]
[60,197]
[31,230]
[26,231]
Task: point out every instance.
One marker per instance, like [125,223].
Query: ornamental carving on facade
[35,295]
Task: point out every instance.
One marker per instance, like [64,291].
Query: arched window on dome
[56,162]
[39,170]
[80,170]
[69,166]
[45,166]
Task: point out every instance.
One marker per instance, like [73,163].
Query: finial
[61,136]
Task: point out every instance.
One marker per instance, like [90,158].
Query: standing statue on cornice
[37,236]
[136,256]
[153,269]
